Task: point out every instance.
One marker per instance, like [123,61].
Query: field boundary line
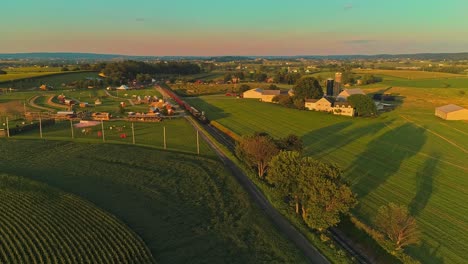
[436,134]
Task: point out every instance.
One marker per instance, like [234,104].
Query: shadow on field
[211,111]
[383,157]
[426,253]
[425,184]
[331,138]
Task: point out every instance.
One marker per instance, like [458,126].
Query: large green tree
[283,172]
[257,151]
[324,195]
[308,88]
[315,188]
[363,104]
[398,225]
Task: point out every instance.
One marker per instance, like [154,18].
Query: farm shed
[268,95]
[253,93]
[343,96]
[452,112]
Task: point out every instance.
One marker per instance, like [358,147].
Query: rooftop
[449,108]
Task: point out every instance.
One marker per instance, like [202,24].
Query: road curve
[312,254]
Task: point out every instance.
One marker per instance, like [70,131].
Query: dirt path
[282,223]
[32,103]
[51,103]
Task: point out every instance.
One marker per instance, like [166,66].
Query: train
[192,110]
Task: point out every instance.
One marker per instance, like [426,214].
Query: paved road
[282,223]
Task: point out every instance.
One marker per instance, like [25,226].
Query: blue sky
[255,27]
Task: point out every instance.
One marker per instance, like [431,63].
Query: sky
[240,27]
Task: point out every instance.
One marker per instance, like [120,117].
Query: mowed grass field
[186,208]
[180,135]
[407,156]
[40,224]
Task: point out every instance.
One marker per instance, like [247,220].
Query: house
[452,112]
[327,104]
[253,93]
[324,104]
[343,96]
[343,108]
[83,104]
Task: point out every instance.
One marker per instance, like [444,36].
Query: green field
[186,208]
[407,156]
[180,135]
[410,74]
[40,224]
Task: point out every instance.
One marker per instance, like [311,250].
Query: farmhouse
[452,112]
[343,108]
[343,96]
[327,104]
[324,104]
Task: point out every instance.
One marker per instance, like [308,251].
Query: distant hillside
[70,56]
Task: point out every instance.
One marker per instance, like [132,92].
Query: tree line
[316,191]
[126,71]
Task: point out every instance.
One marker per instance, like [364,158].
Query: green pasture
[407,156]
[40,224]
[186,208]
[180,136]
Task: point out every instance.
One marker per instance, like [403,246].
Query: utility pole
[102,131]
[133,133]
[40,125]
[198,144]
[165,146]
[7,127]
[71,127]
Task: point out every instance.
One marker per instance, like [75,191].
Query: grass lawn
[40,224]
[186,208]
[407,156]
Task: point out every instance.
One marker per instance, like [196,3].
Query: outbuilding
[343,96]
[253,93]
[452,112]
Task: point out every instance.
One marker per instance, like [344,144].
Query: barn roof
[311,100]
[352,91]
[449,108]
[271,92]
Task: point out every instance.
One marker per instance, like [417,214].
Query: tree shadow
[335,137]
[425,184]
[383,157]
[211,111]
[426,253]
